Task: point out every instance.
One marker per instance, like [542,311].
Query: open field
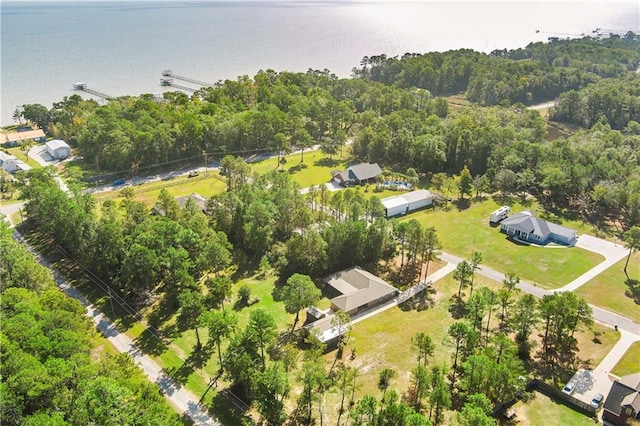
[20,155]
[148,193]
[610,290]
[630,361]
[384,341]
[544,411]
[315,170]
[463,232]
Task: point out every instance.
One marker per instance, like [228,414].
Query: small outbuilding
[12,164]
[58,149]
[408,202]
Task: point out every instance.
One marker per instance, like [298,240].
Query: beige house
[356,290]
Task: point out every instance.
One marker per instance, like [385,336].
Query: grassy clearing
[465,231]
[543,411]
[20,155]
[384,341]
[610,289]
[591,352]
[630,361]
[148,193]
[315,170]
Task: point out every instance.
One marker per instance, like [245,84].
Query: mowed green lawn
[384,341]
[630,361]
[315,170]
[544,411]
[609,289]
[466,231]
[148,193]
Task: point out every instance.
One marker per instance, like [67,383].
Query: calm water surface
[122,47]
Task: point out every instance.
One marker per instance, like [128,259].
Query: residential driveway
[612,253]
[40,155]
[599,380]
[331,186]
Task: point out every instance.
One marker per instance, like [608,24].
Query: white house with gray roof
[525,226]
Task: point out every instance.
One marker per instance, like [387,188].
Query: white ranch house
[526,227]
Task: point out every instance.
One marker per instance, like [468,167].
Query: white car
[597,399]
[569,388]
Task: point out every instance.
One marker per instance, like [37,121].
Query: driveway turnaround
[612,253]
[599,380]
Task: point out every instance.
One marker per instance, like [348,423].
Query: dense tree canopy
[49,374]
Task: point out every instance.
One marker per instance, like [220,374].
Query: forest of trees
[539,72]
[52,373]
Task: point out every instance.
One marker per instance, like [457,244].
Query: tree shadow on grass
[457,307]
[633,290]
[150,344]
[164,310]
[298,167]
[462,204]
[179,374]
[327,162]
[505,199]
[421,301]
[228,411]
[200,356]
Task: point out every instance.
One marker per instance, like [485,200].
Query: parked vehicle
[194,173]
[119,182]
[569,388]
[597,399]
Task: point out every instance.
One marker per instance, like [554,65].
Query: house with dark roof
[357,174]
[526,227]
[355,289]
[622,405]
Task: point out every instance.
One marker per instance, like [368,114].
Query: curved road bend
[601,315]
[183,400]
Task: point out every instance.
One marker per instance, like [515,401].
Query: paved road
[542,106]
[612,253]
[183,400]
[601,315]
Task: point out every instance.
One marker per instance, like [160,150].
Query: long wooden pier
[168,73]
[83,87]
[169,82]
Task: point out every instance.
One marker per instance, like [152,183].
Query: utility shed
[58,149]
[418,199]
[395,206]
[408,202]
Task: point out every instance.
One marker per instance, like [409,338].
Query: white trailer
[500,214]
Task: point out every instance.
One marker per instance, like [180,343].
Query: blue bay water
[121,48]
